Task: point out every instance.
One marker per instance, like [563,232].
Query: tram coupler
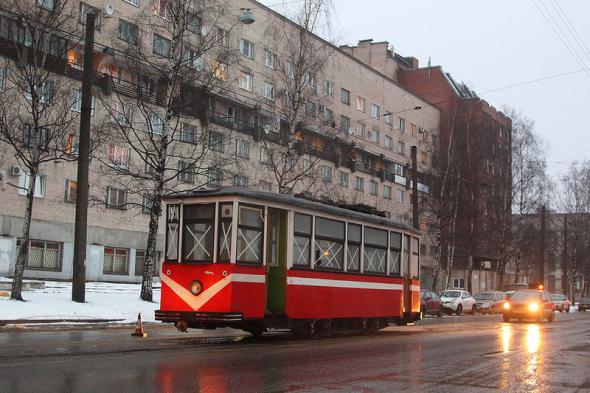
[181,325]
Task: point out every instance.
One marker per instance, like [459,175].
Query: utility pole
[542,259]
[564,279]
[81,224]
[415,215]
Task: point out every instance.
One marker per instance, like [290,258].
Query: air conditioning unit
[16,170]
[487,265]
[227,211]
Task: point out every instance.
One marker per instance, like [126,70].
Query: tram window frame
[187,221]
[406,254]
[302,234]
[319,237]
[357,243]
[374,245]
[415,253]
[260,229]
[395,248]
[220,232]
[175,219]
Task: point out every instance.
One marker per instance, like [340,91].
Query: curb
[47,321]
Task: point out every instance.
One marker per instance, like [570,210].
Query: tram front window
[197,236]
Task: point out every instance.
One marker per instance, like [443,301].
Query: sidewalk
[105,303]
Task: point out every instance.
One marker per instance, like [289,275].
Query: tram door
[277,261]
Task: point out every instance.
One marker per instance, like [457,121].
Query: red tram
[257,260]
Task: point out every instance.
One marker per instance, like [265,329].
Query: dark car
[584,304]
[430,303]
[529,304]
[489,302]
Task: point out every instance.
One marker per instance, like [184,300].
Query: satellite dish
[267,128]
[109,9]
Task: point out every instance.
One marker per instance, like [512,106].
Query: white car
[457,301]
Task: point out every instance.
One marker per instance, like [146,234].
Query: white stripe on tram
[415,288]
[321,282]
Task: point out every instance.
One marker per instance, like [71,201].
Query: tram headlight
[506,306]
[196,287]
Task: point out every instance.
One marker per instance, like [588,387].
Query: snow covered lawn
[103,301]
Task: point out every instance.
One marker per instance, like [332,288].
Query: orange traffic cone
[139,328]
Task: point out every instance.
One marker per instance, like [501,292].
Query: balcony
[231,123]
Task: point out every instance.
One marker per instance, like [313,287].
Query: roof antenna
[429,73]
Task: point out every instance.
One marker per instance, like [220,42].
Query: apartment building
[354,139]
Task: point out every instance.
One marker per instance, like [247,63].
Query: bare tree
[36,120]
[160,94]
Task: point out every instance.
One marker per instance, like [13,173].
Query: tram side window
[406,255]
[395,248]
[224,235]
[353,257]
[302,240]
[250,234]
[172,223]
[375,254]
[197,234]
[415,257]
[329,244]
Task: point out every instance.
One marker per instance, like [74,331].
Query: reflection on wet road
[466,356]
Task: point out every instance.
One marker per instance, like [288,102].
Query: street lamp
[246,16]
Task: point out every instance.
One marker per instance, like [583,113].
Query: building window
[2,78]
[220,70]
[44,93]
[140,263]
[222,37]
[388,118]
[193,60]
[344,179]
[247,48]
[329,88]
[360,130]
[47,4]
[214,177]
[240,181]
[402,124]
[71,191]
[387,192]
[310,80]
[265,185]
[424,158]
[128,32]
[39,139]
[115,261]
[195,24]
[40,185]
[345,96]
[344,123]
[161,8]
[328,115]
[242,148]
[246,82]
[388,142]
[119,156]
[146,205]
[373,187]
[216,141]
[360,184]
[268,90]
[76,98]
[401,147]
[42,255]
[156,124]
[399,195]
[326,173]
[413,129]
[374,135]
[185,172]
[459,283]
[134,2]
[85,9]
[188,133]
[398,169]
[310,108]
[270,59]
[290,69]
[116,198]
[360,103]
[301,240]
[306,165]
[161,46]
[375,111]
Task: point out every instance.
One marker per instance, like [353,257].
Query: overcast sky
[489,45]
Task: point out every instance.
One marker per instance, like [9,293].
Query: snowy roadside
[110,301]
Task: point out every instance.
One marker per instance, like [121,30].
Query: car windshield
[585,299]
[450,294]
[556,297]
[484,296]
[526,295]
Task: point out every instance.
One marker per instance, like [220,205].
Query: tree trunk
[151,254]
[23,251]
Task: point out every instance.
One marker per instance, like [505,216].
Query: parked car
[457,301]
[562,303]
[529,304]
[430,303]
[489,302]
[584,304]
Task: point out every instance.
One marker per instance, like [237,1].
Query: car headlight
[196,287]
[506,306]
[533,307]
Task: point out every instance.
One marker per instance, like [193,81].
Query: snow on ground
[103,301]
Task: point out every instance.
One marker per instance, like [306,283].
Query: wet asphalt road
[451,354]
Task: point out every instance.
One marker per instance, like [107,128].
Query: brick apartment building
[481,144]
[364,151]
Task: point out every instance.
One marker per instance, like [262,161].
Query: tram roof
[290,200]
